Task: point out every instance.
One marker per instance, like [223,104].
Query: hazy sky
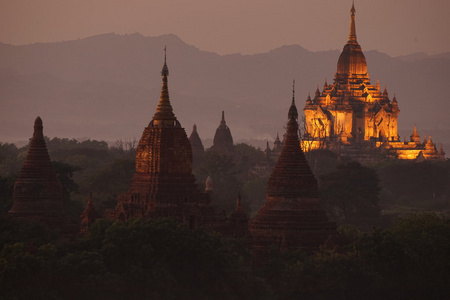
[394,27]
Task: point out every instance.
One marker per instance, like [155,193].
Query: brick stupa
[38,194]
[163,184]
[291,217]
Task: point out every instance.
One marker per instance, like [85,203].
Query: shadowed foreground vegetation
[144,259]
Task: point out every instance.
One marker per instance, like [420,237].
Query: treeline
[377,194]
[351,193]
[162,259]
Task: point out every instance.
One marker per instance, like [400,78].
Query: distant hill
[107,87]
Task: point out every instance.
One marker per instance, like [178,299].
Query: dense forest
[394,213]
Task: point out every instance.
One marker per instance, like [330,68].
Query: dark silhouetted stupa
[37,192]
[198,151]
[291,217]
[223,141]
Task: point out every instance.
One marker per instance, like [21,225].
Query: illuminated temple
[163,185]
[355,118]
[291,217]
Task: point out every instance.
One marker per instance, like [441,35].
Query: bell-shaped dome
[352,60]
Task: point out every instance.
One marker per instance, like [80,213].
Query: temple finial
[164,115]
[293,114]
[352,35]
[293,89]
[165,69]
[223,117]
[38,128]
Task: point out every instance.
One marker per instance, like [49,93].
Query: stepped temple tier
[38,194]
[163,184]
[355,118]
[291,217]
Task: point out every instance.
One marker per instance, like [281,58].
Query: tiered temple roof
[291,217]
[163,184]
[350,109]
[37,192]
[352,115]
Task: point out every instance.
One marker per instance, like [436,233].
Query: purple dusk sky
[235,26]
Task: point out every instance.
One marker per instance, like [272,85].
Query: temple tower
[37,191]
[291,217]
[163,184]
[223,141]
[350,109]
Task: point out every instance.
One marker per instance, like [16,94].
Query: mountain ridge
[56,80]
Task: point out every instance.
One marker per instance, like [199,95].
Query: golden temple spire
[164,115]
[352,35]
[308,100]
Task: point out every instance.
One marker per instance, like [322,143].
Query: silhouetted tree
[350,194]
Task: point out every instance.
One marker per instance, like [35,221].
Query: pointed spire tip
[165,69]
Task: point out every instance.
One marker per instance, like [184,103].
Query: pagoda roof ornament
[352,61]
[293,113]
[164,115]
[352,34]
[165,69]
